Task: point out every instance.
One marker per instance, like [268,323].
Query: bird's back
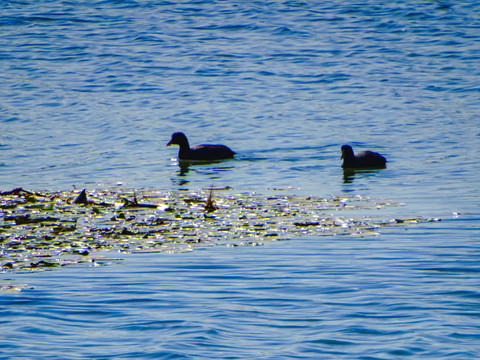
[210,152]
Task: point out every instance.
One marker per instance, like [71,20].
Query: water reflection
[209,168]
[186,165]
[350,174]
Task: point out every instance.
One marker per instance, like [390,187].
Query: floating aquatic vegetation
[43,230]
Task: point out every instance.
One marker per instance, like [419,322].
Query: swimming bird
[362,160]
[199,152]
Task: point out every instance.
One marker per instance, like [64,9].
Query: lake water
[91,92]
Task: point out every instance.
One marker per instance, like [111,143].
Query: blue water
[414,296]
[90,94]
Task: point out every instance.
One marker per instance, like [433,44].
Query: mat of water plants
[39,230]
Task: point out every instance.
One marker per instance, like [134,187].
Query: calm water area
[90,93]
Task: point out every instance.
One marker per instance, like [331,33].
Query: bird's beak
[169,143]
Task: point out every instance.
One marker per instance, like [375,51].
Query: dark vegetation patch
[41,230]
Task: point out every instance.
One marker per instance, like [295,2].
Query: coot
[362,160]
[199,152]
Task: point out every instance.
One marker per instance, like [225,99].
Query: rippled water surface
[91,92]
[389,297]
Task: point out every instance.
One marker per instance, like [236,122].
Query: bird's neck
[184,147]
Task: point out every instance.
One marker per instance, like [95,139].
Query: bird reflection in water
[209,168]
[349,175]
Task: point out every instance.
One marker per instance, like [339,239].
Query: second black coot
[362,160]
